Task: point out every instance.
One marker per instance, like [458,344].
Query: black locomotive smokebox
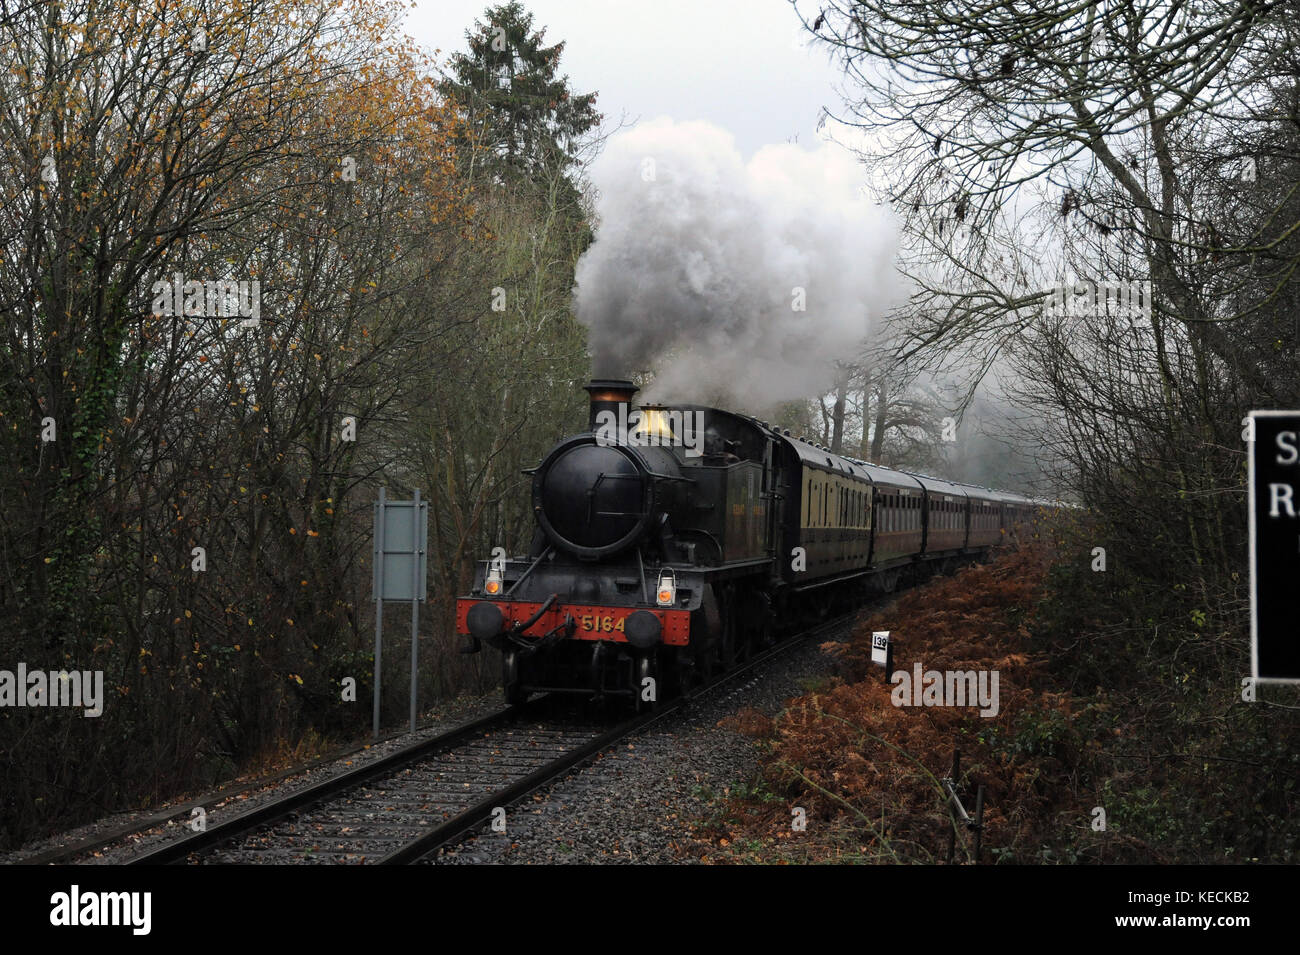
[643,629]
[484,620]
[592,500]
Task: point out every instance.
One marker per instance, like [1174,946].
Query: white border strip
[1254,581]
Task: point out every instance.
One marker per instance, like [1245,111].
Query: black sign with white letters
[1275,544]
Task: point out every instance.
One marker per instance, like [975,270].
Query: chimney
[606,395]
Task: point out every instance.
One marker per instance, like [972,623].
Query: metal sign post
[1274,481]
[377,590]
[401,537]
[417,579]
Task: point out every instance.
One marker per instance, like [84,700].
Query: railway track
[408,804]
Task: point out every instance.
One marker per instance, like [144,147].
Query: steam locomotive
[673,541]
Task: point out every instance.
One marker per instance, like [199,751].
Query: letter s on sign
[1292,455]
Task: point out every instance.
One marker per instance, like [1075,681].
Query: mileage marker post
[882,652]
[1274,478]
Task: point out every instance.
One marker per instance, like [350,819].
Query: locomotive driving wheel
[731,630]
[645,668]
[511,679]
[764,634]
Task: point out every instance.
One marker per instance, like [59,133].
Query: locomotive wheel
[755,631]
[706,665]
[708,630]
[730,630]
[510,679]
[765,629]
[685,676]
[645,668]
[744,642]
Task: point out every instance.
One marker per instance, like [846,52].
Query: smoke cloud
[726,278]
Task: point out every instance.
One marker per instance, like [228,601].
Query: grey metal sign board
[400,573]
[401,539]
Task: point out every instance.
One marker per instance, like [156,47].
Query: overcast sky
[739,64]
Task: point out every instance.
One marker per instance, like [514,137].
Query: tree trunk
[837,415]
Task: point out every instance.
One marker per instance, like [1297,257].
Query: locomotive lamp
[666,592]
[493,585]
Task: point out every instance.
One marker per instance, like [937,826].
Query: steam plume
[698,255]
